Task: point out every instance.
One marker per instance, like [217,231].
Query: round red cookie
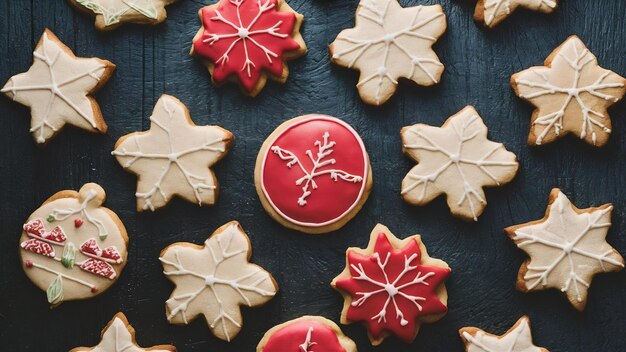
[313,174]
[308,333]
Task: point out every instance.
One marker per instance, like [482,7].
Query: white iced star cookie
[214,280]
[492,12]
[173,157]
[390,42]
[517,339]
[58,89]
[571,94]
[119,336]
[457,160]
[566,249]
[111,14]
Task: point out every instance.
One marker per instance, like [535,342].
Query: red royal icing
[339,180]
[98,267]
[91,247]
[294,337]
[244,37]
[36,246]
[36,228]
[388,276]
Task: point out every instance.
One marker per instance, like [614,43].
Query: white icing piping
[304,347]
[62,214]
[495,344]
[57,273]
[495,6]
[111,16]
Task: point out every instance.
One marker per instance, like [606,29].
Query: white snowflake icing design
[575,80]
[390,42]
[52,58]
[220,273]
[324,149]
[567,248]
[308,342]
[518,339]
[175,145]
[246,34]
[497,10]
[112,11]
[457,150]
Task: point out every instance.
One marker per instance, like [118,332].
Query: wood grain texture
[154,60]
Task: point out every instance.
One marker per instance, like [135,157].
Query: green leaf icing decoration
[69,255]
[55,290]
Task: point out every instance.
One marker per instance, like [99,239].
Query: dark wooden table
[152,61]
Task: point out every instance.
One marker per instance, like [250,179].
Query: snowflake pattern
[492,12]
[390,42]
[306,334]
[566,248]
[571,93]
[56,95]
[173,157]
[517,339]
[391,288]
[219,273]
[243,37]
[111,13]
[324,149]
[456,160]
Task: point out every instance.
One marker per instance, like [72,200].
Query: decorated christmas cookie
[110,14]
[392,286]
[119,336]
[389,42]
[313,174]
[571,94]
[566,249]
[214,280]
[457,160]
[72,247]
[306,334]
[57,88]
[173,157]
[247,41]
[517,339]
[492,12]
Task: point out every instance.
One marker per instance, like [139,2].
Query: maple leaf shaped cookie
[571,93]
[119,335]
[110,14]
[214,280]
[457,160]
[392,286]
[57,88]
[517,339]
[389,42]
[247,41]
[306,334]
[492,12]
[173,157]
[566,249]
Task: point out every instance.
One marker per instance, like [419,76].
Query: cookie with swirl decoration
[306,334]
[393,286]
[248,41]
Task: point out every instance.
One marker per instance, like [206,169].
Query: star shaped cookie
[119,335]
[492,12]
[457,160]
[111,14]
[517,339]
[571,93]
[566,249]
[173,157]
[390,42]
[58,87]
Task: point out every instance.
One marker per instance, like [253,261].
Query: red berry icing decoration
[28,263]
[391,288]
[94,289]
[246,37]
[78,223]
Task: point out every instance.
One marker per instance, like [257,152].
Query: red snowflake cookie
[313,173]
[306,334]
[392,286]
[249,39]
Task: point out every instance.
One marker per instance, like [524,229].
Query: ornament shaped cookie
[566,249]
[72,247]
[392,286]
[571,94]
[173,157]
[111,14]
[517,339]
[58,89]
[389,42]
[306,334]
[457,160]
[214,280]
[313,174]
[119,336]
[247,41]
[492,12]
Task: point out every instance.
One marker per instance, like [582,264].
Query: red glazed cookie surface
[306,334]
